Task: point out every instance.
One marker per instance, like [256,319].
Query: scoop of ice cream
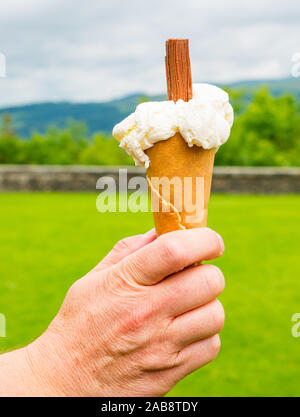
[204,121]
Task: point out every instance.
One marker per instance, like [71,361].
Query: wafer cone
[174,158]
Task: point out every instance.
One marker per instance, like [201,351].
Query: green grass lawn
[50,240]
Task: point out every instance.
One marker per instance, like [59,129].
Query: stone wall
[235,180]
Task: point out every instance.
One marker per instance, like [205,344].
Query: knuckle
[218,316]
[214,279]
[121,245]
[76,293]
[76,289]
[137,316]
[171,251]
[161,354]
[159,360]
[130,336]
[133,271]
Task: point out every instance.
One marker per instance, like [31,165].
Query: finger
[190,289]
[124,248]
[198,354]
[198,324]
[171,253]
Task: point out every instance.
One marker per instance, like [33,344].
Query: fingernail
[222,246]
[150,232]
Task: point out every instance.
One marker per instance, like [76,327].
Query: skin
[135,325]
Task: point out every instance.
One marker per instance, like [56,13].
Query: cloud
[102,49]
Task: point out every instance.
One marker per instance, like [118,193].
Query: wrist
[17,378]
[57,366]
[40,370]
[49,367]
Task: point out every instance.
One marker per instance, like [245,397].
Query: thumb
[124,248]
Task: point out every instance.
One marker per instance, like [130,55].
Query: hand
[138,322]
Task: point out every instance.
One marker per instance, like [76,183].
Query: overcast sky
[98,50]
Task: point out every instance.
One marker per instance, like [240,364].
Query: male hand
[136,324]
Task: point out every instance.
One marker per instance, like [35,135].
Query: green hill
[103,116]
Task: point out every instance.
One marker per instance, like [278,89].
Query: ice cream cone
[179,176]
[173,158]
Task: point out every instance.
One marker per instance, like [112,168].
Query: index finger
[171,253]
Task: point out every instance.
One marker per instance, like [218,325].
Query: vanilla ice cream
[205,121]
